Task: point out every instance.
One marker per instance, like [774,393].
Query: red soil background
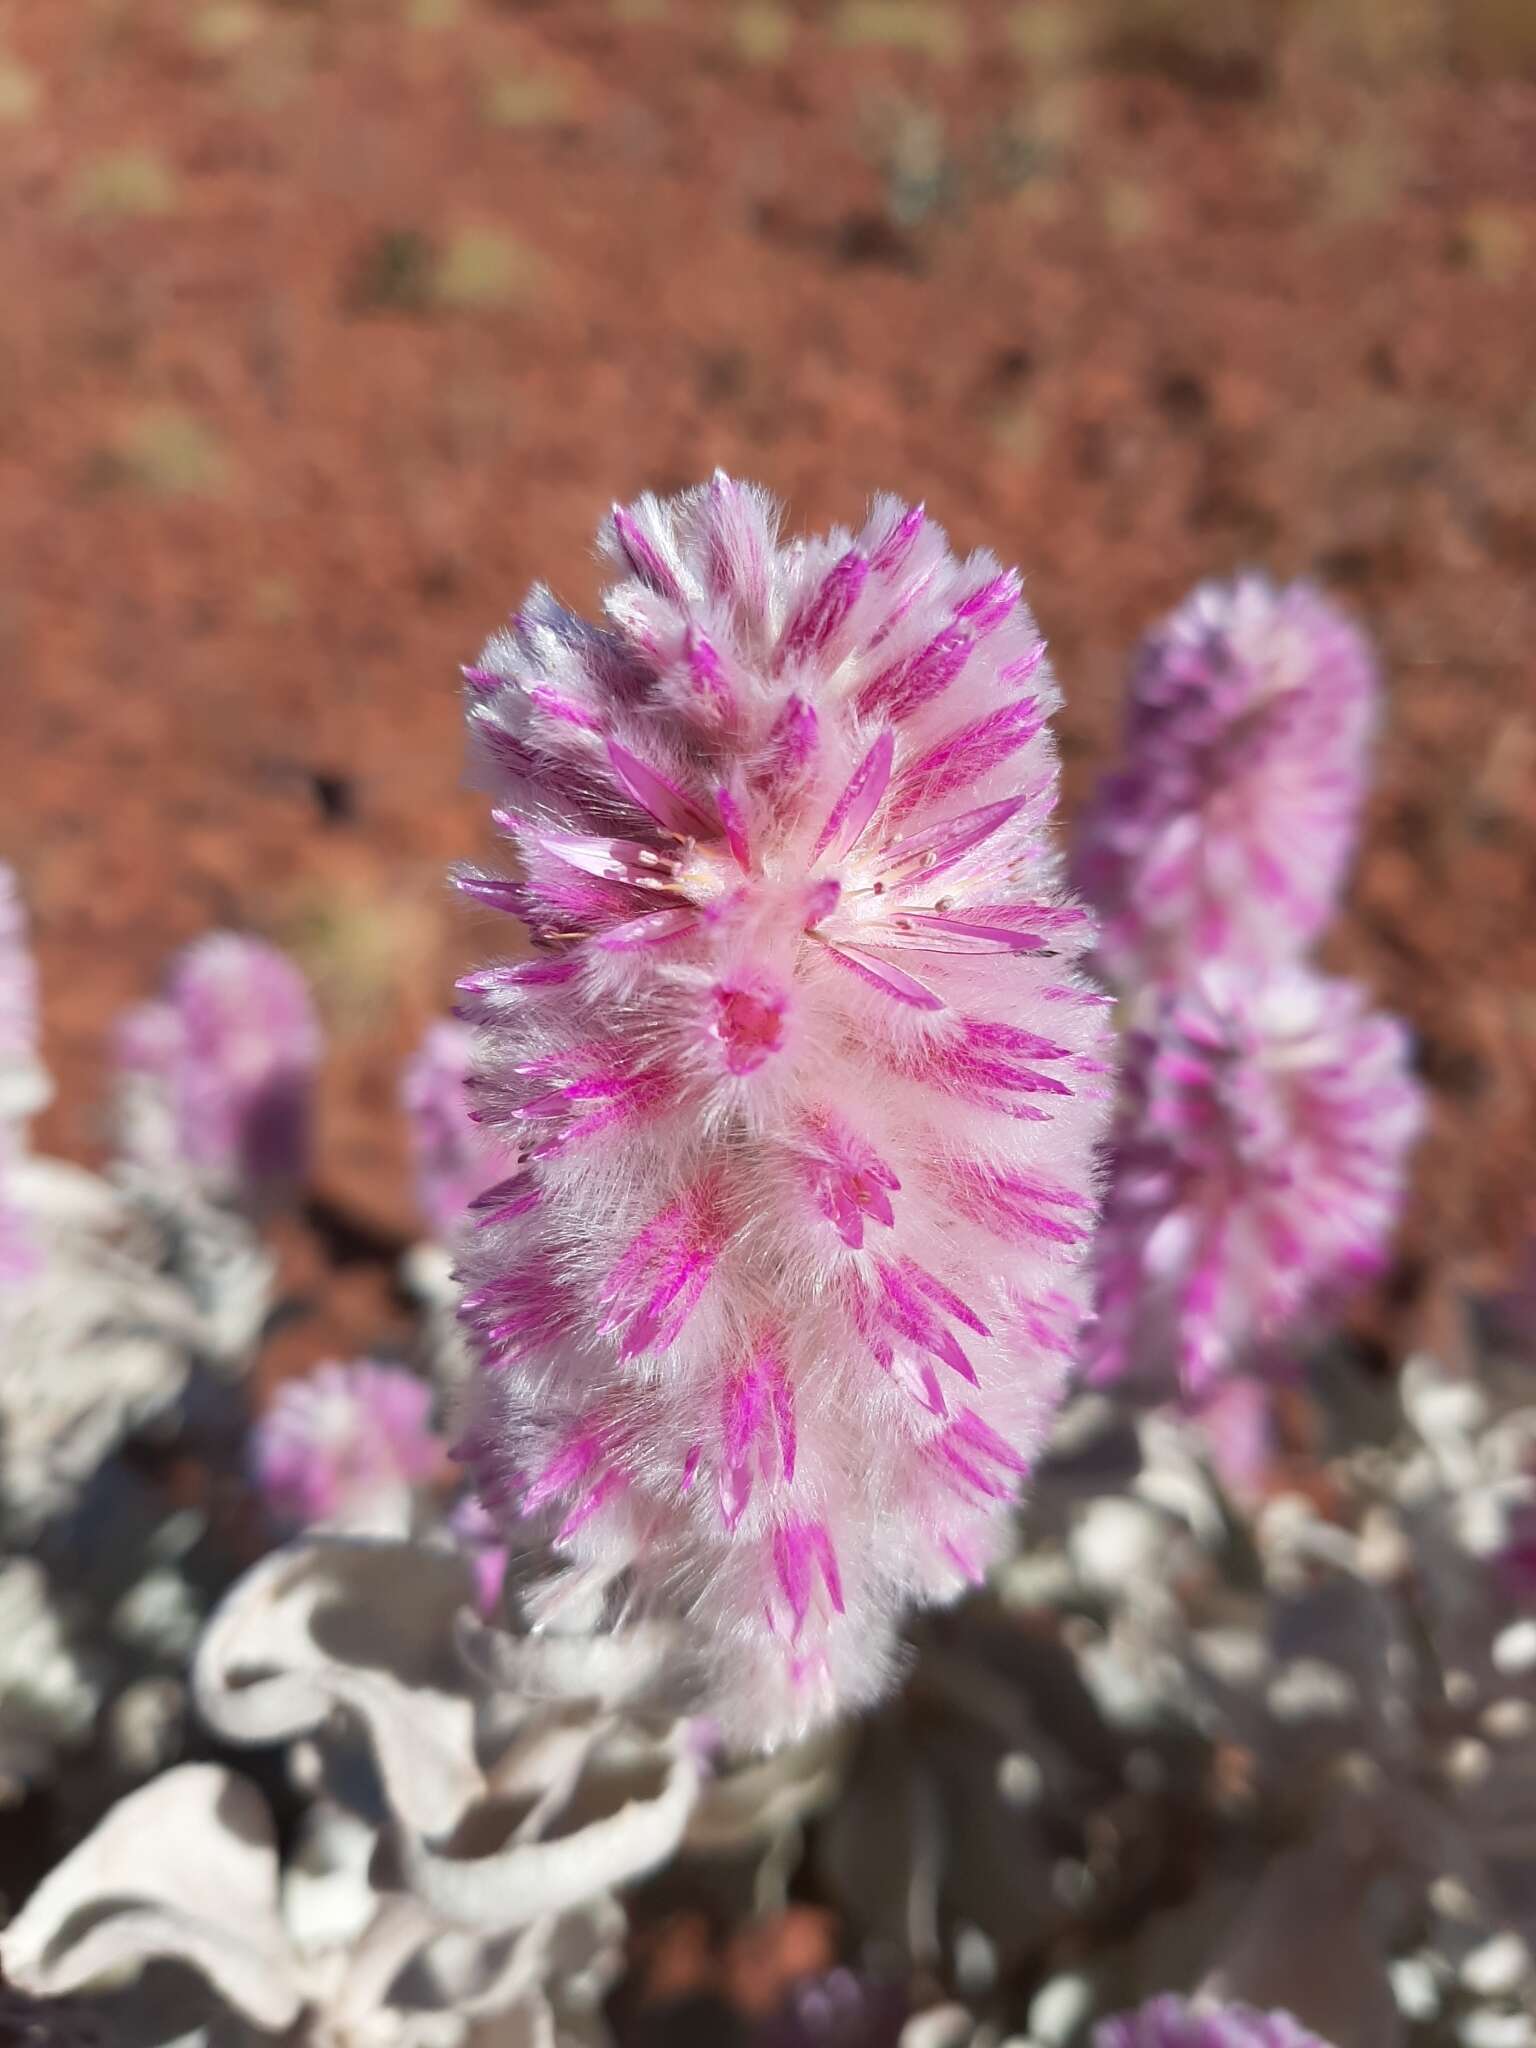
[329,325]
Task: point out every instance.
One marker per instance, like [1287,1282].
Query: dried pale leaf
[760,1800]
[327,1897]
[397,1934]
[185,1868]
[639,1824]
[220,1264]
[96,1341]
[642,1668]
[578,1953]
[360,1625]
[58,1195]
[942,2026]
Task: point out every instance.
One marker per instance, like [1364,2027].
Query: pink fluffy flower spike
[1228,829]
[804,1074]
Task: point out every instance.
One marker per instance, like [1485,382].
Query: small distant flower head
[1228,830]
[1173,2023]
[218,1075]
[347,1444]
[1257,1171]
[454,1163]
[805,1075]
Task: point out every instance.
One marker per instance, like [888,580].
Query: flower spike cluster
[1267,1115]
[804,1073]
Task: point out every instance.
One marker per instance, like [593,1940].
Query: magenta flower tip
[804,1076]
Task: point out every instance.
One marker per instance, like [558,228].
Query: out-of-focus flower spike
[454,1164]
[1257,1169]
[347,1445]
[217,1077]
[1229,825]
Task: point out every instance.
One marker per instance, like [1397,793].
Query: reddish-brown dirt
[331,324]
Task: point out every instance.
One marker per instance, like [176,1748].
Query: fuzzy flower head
[217,1076]
[347,1444]
[1257,1170]
[454,1164]
[1228,831]
[1173,2023]
[805,1075]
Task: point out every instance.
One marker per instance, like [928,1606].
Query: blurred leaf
[1357,34]
[763,32]
[526,100]
[483,267]
[1129,209]
[125,182]
[168,450]
[931,28]
[223,26]
[1050,36]
[1494,241]
[21,92]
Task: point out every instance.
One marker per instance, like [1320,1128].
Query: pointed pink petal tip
[654,793]
[656,928]
[884,975]
[734,820]
[858,802]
